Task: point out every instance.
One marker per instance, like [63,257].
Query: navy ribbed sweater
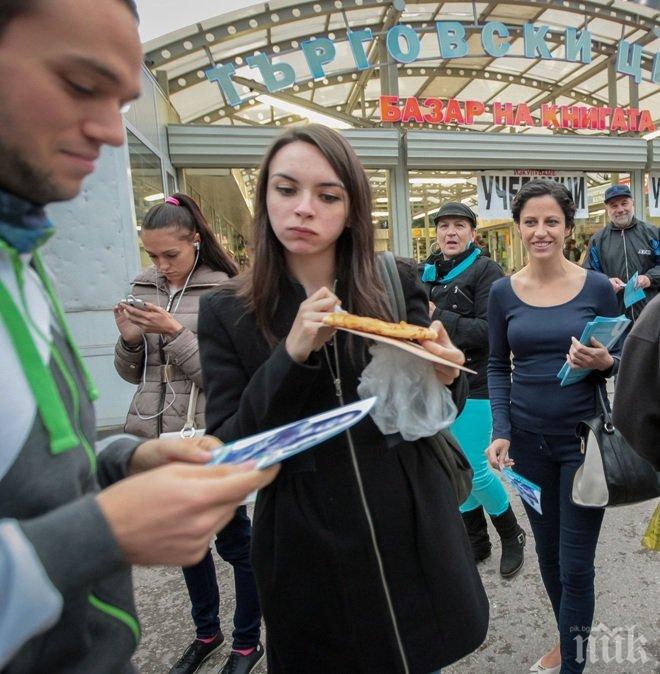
[528,396]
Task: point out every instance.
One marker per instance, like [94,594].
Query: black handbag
[612,473]
[450,456]
[443,444]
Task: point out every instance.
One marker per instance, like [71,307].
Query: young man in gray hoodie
[74,517]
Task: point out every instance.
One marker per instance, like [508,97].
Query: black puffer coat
[462,307]
[316,568]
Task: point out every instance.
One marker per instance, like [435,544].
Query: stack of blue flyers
[607,331]
[632,293]
[280,443]
[529,492]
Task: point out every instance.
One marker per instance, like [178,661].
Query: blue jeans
[233,546]
[566,536]
[473,429]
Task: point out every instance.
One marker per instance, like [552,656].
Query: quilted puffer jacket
[172,365]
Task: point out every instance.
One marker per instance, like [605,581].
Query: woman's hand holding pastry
[308,332]
[444,348]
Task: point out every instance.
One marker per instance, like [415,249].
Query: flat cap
[456,209]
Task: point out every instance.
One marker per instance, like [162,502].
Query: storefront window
[146,176]
[171,183]
[576,245]
[381,210]
[497,234]
[651,195]
[226,197]
[428,191]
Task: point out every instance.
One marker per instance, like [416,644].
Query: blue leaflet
[607,331]
[280,443]
[632,293]
[529,492]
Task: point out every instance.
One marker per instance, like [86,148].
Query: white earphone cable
[141,386]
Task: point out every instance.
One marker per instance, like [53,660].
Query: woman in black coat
[458,279]
[361,559]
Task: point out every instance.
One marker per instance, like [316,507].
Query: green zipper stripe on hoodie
[63,435]
[39,377]
[57,307]
[65,371]
[118,614]
[75,404]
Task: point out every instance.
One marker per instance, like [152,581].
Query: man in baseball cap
[624,246]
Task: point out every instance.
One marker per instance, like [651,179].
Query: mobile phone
[134,302]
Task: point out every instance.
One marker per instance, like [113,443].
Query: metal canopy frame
[164,56]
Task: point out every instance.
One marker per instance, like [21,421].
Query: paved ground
[521,627]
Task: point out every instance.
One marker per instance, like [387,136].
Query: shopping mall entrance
[412,174]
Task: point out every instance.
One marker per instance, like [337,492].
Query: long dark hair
[355,260]
[188,217]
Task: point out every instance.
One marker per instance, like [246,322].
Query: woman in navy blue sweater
[536,315]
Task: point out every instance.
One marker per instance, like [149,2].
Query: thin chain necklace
[334,373]
[336,380]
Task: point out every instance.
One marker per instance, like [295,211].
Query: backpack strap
[389,275]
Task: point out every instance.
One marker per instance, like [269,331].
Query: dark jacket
[637,398]
[622,252]
[462,307]
[317,571]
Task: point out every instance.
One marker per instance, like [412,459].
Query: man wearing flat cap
[624,246]
[458,278]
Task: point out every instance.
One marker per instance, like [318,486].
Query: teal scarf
[430,274]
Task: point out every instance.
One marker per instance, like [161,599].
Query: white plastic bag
[410,397]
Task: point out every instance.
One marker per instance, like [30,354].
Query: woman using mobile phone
[536,316]
[158,350]
[360,555]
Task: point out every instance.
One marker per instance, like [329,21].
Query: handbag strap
[188,431]
[603,402]
[389,275]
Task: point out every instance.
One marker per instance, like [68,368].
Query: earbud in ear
[197,245]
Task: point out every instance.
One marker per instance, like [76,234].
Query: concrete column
[637,189]
[93,256]
[400,200]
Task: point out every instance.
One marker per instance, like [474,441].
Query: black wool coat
[316,567]
[461,305]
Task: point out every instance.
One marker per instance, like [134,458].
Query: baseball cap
[455,208]
[617,191]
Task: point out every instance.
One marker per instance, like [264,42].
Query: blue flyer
[280,443]
[607,331]
[632,293]
[529,492]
